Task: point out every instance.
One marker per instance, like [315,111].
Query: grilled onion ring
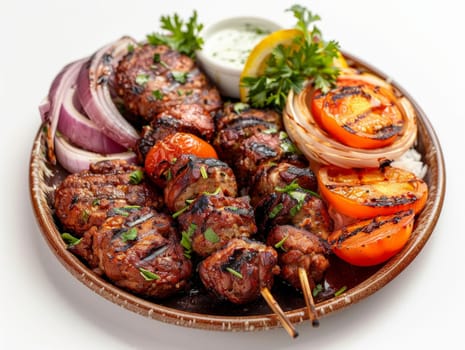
[317,145]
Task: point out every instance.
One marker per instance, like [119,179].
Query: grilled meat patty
[240,270]
[211,221]
[139,252]
[299,248]
[191,176]
[87,198]
[152,79]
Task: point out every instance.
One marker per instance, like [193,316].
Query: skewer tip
[312,314]
[273,304]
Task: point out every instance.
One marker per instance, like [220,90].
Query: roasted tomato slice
[358,114]
[366,193]
[372,241]
[165,152]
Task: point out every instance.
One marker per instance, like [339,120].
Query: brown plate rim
[426,223]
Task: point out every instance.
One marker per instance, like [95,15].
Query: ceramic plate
[195,308]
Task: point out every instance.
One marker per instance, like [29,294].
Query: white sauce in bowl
[232,45]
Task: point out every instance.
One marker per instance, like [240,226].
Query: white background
[418,43]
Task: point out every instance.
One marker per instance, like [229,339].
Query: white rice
[411,161]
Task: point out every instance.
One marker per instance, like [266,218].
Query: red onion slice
[74,159]
[94,93]
[50,108]
[80,130]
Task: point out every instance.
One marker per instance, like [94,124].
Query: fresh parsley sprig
[181,36]
[289,67]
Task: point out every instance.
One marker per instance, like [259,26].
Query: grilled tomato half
[372,241]
[369,192]
[358,114]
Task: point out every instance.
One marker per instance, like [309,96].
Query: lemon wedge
[256,62]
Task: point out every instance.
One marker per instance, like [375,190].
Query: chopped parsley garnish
[234,272]
[157,94]
[129,235]
[288,146]
[142,79]
[240,107]
[180,36]
[85,216]
[217,191]
[317,290]
[124,211]
[281,242]
[211,235]
[270,131]
[168,175]
[70,240]
[286,143]
[340,291]
[136,177]
[179,212]
[275,211]
[296,192]
[231,208]
[148,275]
[203,172]
[289,67]
[186,240]
[180,77]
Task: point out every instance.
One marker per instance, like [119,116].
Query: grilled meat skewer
[299,248]
[123,236]
[283,191]
[88,198]
[139,252]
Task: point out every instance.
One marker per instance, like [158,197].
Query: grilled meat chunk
[190,117]
[152,79]
[233,113]
[313,216]
[263,148]
[299,248]
[87,198]
[272,176]
[296,207]
[213,220]
[240,270]
[191,176]
[236,126]
[139,252]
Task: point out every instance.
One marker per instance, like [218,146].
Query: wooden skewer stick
[273,304]
[308,297]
